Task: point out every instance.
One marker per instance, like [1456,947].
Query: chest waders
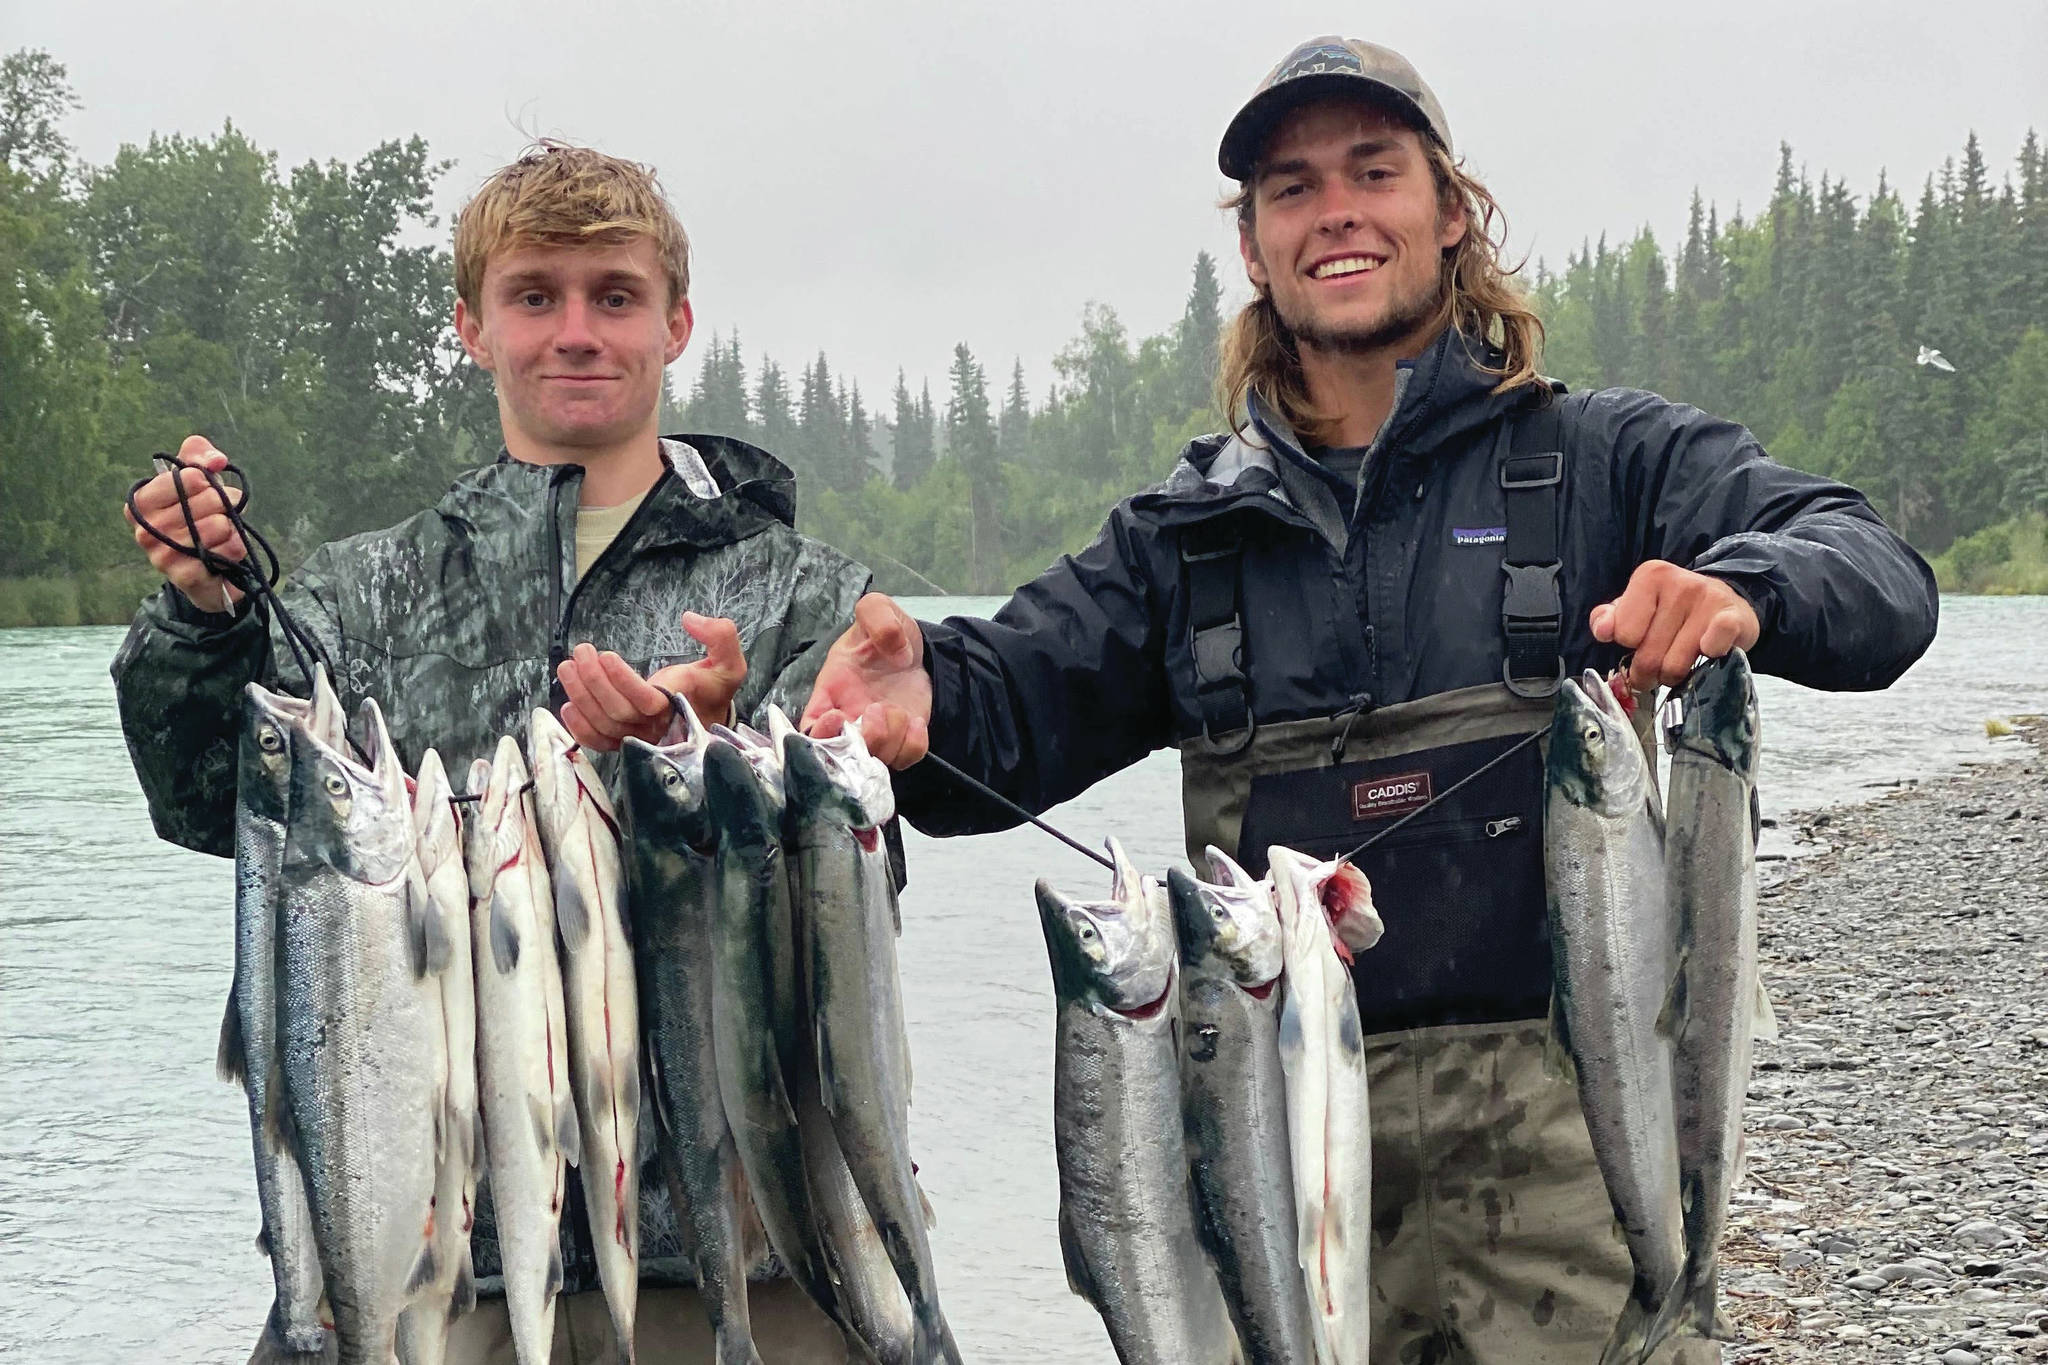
[1493,1240]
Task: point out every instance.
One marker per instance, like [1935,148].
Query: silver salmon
[248,1035]
[360,1035]
[1710,870]
[839,798]
[601,997]
[1234,1105]
[674,887]
[1126,1220]
[757,1023]
[423,1330]
[1603,851]
[530,1127]
[1326,915]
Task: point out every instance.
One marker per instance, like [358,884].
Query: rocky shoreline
[1896,1201]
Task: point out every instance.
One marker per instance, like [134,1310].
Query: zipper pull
[1506,825]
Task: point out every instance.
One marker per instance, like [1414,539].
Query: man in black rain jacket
[1365,593]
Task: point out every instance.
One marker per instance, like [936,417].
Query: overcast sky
[882,180]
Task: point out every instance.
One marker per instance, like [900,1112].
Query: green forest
[293,316]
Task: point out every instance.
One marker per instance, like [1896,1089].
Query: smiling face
[576,338]
[1347,231]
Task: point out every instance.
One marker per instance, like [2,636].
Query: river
[127,1209]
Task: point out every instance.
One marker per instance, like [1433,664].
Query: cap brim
[1246,134]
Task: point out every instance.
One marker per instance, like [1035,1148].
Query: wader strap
[1212,559]
[1532,608]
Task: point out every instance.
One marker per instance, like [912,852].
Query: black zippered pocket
[1459,885]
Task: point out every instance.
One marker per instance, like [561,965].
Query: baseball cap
[1329,66]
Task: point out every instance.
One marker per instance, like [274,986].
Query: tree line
[293,315]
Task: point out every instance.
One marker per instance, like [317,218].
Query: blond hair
[556,194]
[1481,298]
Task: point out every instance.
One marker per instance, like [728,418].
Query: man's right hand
[157,501]
[875,674]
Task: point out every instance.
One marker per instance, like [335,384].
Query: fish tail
[1643,1326]
[231,1058]
[931,1339]
[1701,1299]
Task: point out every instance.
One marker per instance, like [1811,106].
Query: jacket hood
[754,491]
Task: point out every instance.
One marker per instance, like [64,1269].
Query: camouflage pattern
[452,620]
[1493,1239]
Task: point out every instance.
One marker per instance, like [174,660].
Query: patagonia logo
[1378,796]
[1479,535]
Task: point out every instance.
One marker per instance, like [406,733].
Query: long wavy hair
[1480,297]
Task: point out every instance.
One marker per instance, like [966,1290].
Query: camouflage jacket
[454,621]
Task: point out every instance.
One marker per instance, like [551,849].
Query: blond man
[595,563]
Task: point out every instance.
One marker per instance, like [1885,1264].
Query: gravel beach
[1896,1203]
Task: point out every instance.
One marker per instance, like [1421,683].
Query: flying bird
[1929,356]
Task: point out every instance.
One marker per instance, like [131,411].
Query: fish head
[263,760]
[1318,899]
[743,811]
[344,814]
[664,786]
[1116,954]
[434,821]
[565,781]
[838,780]
[1718,714]
[1230,917]
[381,755]
[1595,759]
[761,755]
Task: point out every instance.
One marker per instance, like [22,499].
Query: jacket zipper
[562,611]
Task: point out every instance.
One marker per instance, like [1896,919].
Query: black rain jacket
[1368,596]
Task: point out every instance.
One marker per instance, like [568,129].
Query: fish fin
[543,1125]
[1079,1279]
[423,1271]
[597,1089]
[278,1124]
[1557,1044]
[1671,1017]
[1764,1021]
[465,1285]
[425,930]
[828,1074]
[263,1240]
[567,1136]
[231,1057]
[504,939]
[553,1284]
[572,916]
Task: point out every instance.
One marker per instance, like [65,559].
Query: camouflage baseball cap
[1329,66]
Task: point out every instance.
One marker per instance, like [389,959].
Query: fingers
[583,732]
[610,700]
[723,656]
[1670,617]
[892,734]
[892,639]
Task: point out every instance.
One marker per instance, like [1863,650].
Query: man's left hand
[1669,617]
[609,701]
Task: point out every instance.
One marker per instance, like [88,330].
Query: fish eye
[1085,932]
[269,740]
[336,786]
[671,779]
